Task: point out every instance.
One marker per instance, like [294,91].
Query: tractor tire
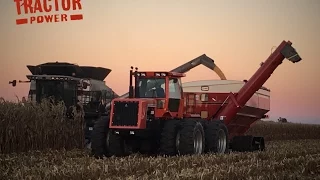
[168,138]
[116,145]
[216,135]
[99,137]
[191,137]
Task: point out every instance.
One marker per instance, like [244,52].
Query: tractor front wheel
[99,137]
[115,144]
[168,138]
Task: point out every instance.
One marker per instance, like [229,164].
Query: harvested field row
[298,159]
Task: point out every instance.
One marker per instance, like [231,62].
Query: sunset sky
[163,34]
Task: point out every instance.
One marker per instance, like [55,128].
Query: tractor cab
[165,87]
[154,95]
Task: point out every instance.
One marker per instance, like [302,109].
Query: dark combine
[77,86]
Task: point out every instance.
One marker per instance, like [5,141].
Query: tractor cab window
[152,87]
[174,88]
[174,94]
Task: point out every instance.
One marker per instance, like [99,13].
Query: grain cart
[81,86]
[161,115]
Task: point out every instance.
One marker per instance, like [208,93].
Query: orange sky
[160,35]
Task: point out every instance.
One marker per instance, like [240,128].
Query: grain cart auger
[237,125]
[157,117]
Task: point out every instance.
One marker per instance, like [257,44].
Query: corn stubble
[299,159]
[38,142]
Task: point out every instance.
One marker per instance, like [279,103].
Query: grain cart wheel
[191,137]
[216,137]
[168,138]
[99,137]
[248,143]
[116,144]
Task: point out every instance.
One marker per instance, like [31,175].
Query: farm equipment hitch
[247,143]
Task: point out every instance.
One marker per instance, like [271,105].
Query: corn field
[29,126]
[272,131]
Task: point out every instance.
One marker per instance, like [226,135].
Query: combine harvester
[75,85]
[162,115]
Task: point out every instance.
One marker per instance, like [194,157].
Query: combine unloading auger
[204,60]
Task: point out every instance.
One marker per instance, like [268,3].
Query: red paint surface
[76,17]
[242,120]
[22,21]
[247,91]
[142,115]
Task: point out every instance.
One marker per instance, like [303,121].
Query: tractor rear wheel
[168,138]
[116,144]
[216,137]
[191,137]
[99,137]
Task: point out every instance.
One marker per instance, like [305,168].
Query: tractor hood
[67,69]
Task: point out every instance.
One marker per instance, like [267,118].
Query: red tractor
[157,118]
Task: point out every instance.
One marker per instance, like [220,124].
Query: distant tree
[282,120]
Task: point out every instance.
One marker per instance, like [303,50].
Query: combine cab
[80,86]
[162,115]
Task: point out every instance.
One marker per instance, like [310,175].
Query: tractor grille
[125,113]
